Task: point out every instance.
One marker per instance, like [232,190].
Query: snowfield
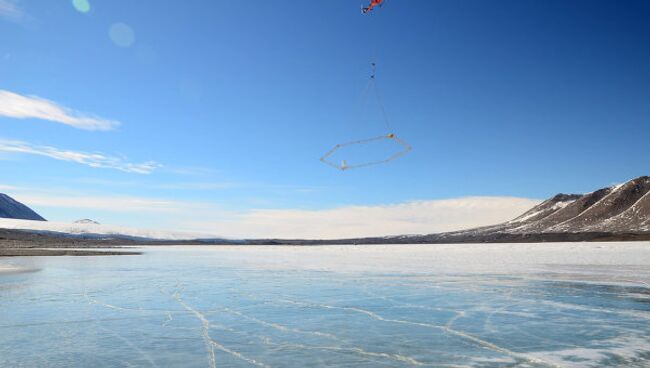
[607,261]
[96,229]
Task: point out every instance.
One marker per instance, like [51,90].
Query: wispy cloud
[71,199]
[118,204]
[416,217]
[9,10]
[194,171]
[96,160]
[137,183]
[7,187]
[412,217]
[199,185]
[18,106]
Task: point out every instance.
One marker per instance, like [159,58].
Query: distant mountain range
[620,212]
[11,208]
[87,222]
[616,213]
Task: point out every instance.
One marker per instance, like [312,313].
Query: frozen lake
[498,305]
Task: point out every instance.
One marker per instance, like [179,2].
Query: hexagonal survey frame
[344,166]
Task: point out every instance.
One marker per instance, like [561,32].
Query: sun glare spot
[82,6]
[121,34]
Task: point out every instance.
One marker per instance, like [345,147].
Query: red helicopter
[373,3]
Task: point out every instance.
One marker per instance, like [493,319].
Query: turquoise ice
[351,306]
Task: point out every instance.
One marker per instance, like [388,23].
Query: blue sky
[226,106]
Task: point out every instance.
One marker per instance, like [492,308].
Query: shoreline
[35,252]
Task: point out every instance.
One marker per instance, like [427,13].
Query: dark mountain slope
[564,211]
[615,213]
[10,208]
[598,216]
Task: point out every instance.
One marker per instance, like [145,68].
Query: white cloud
[18,106]
[96,160]
[80,228]
[199,185]
[416,217]
[107,203]
[190,186]
[7,187]
[11,11]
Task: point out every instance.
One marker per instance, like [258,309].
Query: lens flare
[82,6]
[121,34]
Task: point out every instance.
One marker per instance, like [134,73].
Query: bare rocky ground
[28,252]
[17,243]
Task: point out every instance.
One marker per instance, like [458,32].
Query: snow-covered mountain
[620,212]
[87,221]
[623,208]
[11,208]
[90,230]
[17,216]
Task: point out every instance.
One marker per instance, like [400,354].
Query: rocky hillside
[621,208]
[620,212]
[10,208]
[617,213]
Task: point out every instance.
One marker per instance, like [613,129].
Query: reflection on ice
[551,305]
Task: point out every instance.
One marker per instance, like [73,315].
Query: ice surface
[487,305]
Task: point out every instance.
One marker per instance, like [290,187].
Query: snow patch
[97,229]
[557,206]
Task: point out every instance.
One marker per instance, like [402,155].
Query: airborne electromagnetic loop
[405,147]
[344,166]
[389,136]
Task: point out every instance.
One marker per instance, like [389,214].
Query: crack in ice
[210,343]
[280,327]
[460,334]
